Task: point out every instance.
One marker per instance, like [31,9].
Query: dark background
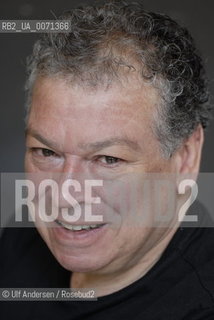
[196,15]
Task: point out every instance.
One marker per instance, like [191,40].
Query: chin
[79,264]
[83,259]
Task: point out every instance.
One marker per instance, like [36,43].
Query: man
[120,97]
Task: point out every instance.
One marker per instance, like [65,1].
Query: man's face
[107,135]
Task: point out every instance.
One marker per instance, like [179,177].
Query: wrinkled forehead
[119,111]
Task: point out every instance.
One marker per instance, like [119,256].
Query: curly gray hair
[105,38]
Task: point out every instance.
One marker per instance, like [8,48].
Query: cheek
[128,192]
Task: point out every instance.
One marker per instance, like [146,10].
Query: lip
[78,238]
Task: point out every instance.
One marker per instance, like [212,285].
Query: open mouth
[79,227]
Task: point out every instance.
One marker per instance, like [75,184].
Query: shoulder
[26,261]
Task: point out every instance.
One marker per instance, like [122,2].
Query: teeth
[94,226]
[85,227]
[78,228]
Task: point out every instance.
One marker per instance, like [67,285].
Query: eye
[108,160]
[47,152]
[43,152]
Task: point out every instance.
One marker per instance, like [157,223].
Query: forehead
[121,110]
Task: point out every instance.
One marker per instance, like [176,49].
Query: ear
[188,157]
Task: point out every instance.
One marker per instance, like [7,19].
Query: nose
[74,198]
[71,182]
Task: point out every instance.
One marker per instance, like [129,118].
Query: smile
[78,227]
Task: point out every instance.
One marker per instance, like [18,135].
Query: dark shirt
[179,286]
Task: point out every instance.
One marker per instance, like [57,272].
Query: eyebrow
[91,147]
[39,137]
